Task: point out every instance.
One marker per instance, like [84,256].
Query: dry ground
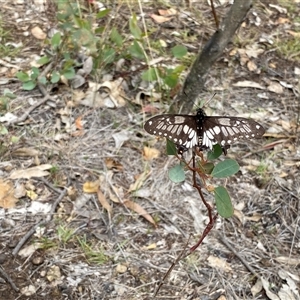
[84,253]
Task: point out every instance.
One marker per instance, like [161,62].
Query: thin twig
[48,184]
[41,222]
[212,218]
[172,267]
[54,205]
[214,13]
[8,279]
[226,243]
[27,236]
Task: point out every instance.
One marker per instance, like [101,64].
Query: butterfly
[188,131]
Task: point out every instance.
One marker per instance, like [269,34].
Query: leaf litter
[262,229]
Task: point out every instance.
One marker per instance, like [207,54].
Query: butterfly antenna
[204,103]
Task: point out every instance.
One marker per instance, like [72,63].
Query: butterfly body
[188,131]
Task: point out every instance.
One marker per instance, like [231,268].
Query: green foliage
[208,169]
[171,148]
[4,99]
[105,44]
[64,234]
[223,202]
[179,51]
[176,174]
[96,255]
[6,36]
[225,168]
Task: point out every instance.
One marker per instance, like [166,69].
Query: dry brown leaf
[139,210]
[239,214]
[286,125]
[29,250]
[20,190]
[281,20]
[139,181]
[288,260]
[255,218]
[7,198]
[31,195]
[38,33]
[25,152]
[219,263]
[78,123]
[251,66]
[108,94]
[167,12]
[103,201]
[160,19]
[275,87]
[91,186]
[150,247]
[117,194]
[150,153]
[293,33]
[113,197]
[256,288]
[266,285]
[248,83]
[38,171]
[113,164]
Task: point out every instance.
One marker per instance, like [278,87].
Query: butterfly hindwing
[227,130]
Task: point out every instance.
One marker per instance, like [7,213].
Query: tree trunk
[194,83]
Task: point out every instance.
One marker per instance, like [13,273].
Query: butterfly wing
[180,129]
[226,130]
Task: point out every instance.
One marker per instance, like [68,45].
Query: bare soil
[253,255]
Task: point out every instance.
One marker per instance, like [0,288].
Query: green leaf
[3,130]
[178,70]
[134,28]
[43,60]
[29,85]
[223,202]
[116,37]
[55,40]
[136,50]
[35,72]
[22,76]
[103,13]
[225,168]
[171,80]
[215,153]
[55,77]
[179,51]
[207,168]
[69,73]
[108,56]
[171,148]
[176,174]
[149,75]
[43,80]
[8,93]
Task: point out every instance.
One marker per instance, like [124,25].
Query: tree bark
[195,81]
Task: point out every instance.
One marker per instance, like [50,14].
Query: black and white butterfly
[188,131]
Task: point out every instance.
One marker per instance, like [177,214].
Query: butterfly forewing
[180,129]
